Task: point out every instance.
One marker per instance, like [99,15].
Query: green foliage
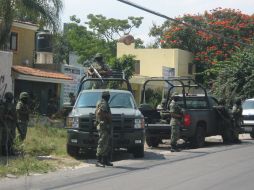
[223,32]
[99,34]
[235,77]
[153,96]
[42,12]
[125,63]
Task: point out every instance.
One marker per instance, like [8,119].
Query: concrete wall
[153,60]
[26,45]
[5,73]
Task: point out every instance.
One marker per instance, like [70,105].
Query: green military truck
[201,117]
[127,120]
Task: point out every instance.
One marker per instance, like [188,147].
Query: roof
[28,71]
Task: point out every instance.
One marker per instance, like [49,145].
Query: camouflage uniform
[22,114]
[103,120]
[99,64]
[237,115]
[10,119]
[174,123]
[165,115]
[1,123]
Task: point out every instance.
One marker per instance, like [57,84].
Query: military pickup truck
[200,114]
[127,120]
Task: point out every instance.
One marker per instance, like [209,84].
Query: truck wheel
[198,140]
[73,151]
[252,135]
[152,142]
[138,152]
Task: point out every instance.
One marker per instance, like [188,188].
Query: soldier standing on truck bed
[176,117]
[237,115]
[103,121]
[98,65]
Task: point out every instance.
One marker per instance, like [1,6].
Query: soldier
[72,98]
[237,116]
[176,116]
[100,66]
[165,115]
[10,119]
[225,121]
[103,121]
[1,124]
[23,114]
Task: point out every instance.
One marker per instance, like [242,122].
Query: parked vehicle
[200,114]
[248,117]
[127,120]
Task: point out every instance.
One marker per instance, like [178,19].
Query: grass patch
[40,141]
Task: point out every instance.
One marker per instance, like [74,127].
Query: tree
[99,34]
[212,37]
[235,76]
[44,12]
[125,63]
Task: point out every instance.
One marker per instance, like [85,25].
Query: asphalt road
[216,166]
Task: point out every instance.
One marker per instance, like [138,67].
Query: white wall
[5,73]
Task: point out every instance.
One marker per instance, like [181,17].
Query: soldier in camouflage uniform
[175,122]
[165,115]
[99,65]
[23,114]
[103,121]
[10,119]
[237,115]
[1,124]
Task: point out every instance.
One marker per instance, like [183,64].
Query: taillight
[187,120]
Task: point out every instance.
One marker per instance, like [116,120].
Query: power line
[183,23]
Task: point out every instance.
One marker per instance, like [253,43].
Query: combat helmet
[105,94]
[238,101]
[8,96]
[23,95]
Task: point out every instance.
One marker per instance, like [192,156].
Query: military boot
[100,162]
[106,161]
[174,148]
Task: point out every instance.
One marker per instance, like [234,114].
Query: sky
[170,8]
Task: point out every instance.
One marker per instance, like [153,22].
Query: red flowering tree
[213,36]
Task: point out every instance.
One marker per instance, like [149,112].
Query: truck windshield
[193,102]
[248,104]
[117,100]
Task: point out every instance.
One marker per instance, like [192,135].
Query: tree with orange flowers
[212,37]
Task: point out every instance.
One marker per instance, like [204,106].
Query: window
[14,41]
[137,67]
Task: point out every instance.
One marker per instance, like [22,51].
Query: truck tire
[252,135]
[138,152]
[73,151]
[152,142]
[198,140]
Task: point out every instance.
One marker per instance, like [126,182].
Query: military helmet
[238,101]
[23,95]
[98,55]
[105,94]
[8,95]
[221,101]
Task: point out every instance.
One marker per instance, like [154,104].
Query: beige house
[156,63]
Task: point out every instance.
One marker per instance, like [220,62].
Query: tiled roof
[39,73]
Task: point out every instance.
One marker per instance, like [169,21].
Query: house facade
[156,63]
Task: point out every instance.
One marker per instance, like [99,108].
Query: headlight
[139,123]
[73,122]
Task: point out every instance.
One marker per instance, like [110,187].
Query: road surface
[214,167]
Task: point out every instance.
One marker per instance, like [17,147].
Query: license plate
[248,129]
